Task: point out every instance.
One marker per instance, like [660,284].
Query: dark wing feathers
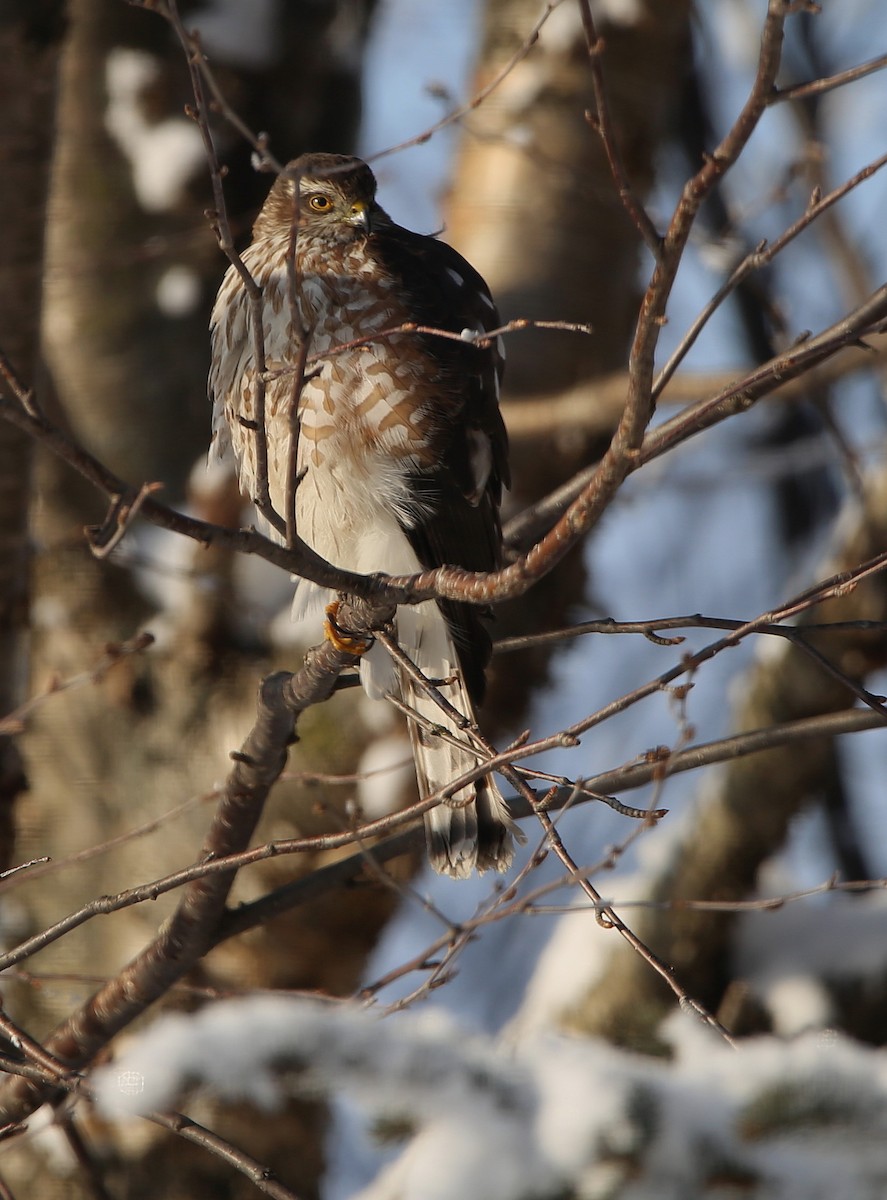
[460,527]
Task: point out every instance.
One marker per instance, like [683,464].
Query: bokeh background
[113,337]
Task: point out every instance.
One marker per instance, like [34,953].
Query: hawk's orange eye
[320,203]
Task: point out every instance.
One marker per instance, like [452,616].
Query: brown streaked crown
[343,177]
[350,175]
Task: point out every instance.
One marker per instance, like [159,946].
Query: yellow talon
[347,643]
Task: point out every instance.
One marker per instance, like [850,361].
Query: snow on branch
[549,1117]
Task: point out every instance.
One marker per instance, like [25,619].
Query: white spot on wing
[455,276]
[480,456]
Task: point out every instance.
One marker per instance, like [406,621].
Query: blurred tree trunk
[29,49]
[129,374]
[128,363]
[535,209]
[746,815]
[534,206]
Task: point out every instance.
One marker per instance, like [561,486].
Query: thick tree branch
[747,813]
[189,933]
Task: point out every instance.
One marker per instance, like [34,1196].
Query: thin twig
[25,396]
[260,1175]
[482,340]
[199,72]
[745,392]
[85,1158]
[798,636]
[649,628]
[602,122]
[763,254]
[816,87]
[609,918]
[293,476]
[46,1061]
[477,100]
[14,721]
[47,866]
[124,509]
[11,872]
[764,904]
[624,778]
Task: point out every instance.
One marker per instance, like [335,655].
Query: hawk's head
[330,196]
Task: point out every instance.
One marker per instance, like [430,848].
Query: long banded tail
[471,830]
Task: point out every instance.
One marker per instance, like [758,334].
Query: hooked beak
[361,216]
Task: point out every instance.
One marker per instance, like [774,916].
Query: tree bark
[29,49]
[535,210]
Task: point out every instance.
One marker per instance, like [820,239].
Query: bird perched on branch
[400,454]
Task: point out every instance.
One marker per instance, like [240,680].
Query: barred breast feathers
[401,453]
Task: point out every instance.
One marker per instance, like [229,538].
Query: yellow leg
[347,643]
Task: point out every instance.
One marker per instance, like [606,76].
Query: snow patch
[163,156]
[178,291]
[554,1116]
[797,1003]
[387,765]
[618,12]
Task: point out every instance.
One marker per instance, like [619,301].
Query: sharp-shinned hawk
[401,454]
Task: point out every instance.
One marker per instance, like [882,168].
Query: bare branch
[299,559]
[793,363]
[200,74]
[607,625]
[14,722]
[475,102]
[188,935]
[260,1175]
[602,122]
[817,87]
[763,254]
